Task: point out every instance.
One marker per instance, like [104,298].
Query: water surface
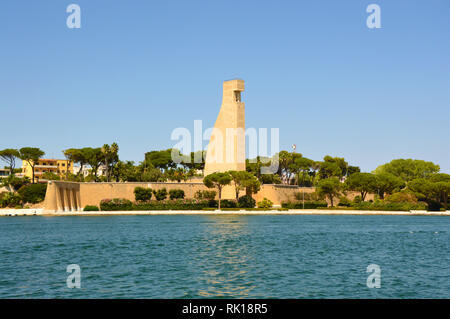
[233,256]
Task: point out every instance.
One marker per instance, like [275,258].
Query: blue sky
[138,69]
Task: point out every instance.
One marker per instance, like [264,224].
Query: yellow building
[56,166]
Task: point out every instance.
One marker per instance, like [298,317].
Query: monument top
[234,85]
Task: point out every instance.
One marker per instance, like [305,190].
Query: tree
[329,187]
[315,166]
[284,160]
[151,174]
[9,156]
[361,182]
[301,167]
[386,183]
[94,157]
[79,156]
[244,180]
[160,159]
[352,170]
[442,187]
[51,176]
[31,155]
[110,158]
[252,185]
[179,174]
[254,165]
[196,157]
[408,169]
[270,179]
[422,188]
[127,172]
[217,180]
[15,182]
[333,167]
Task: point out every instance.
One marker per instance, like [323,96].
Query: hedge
[91,208]
[176,194]
[119,204]
[142,194]
[160,194]
[308,205]
[177,204]
[265,203]
[246,201]
[116,204]
[389,206]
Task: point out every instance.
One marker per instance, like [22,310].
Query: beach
[42,212]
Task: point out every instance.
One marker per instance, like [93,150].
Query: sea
[225,256]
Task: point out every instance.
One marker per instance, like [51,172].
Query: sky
[136,70]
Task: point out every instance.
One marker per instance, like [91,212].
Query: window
[237,96]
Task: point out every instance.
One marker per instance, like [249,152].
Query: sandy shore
[41,212]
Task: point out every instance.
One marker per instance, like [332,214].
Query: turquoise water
[232,256]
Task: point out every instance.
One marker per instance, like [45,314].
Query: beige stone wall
[278,193]
[70,196]
[63,196]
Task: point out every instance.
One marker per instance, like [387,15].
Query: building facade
[60,167]
[86,171]
[4,172]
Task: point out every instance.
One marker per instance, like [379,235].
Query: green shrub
[51,176]
[265,203]
[142,194]
[357,199]
[176,194]
[390,206]
[160,194]
[177,204]
[115,204]
[434,206]
[90,179]
[9,200]
[213,203]
[344,201]
[91,208]
[33,193]
[246,201]
[16,182]
[308,204]
[209,195]
[402,197]
[228,203]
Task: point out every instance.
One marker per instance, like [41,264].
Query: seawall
[73,197]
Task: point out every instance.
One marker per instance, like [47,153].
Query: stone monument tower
[226,148]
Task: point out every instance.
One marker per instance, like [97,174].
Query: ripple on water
[225,256]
